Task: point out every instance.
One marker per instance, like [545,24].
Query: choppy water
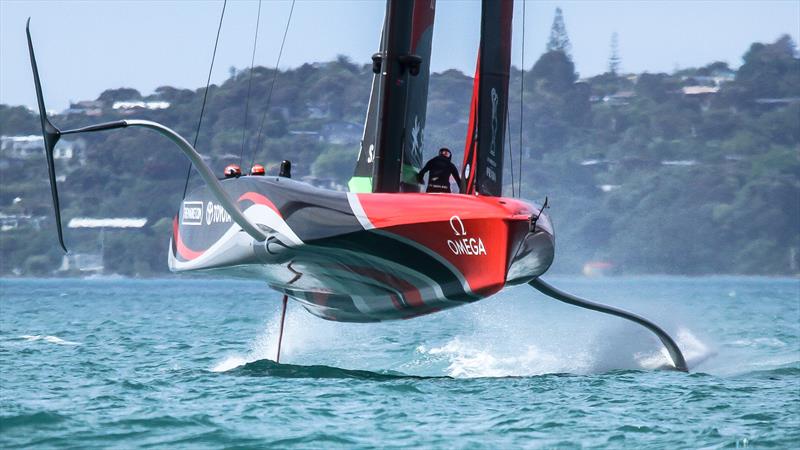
[186,363]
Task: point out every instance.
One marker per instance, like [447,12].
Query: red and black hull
[365,257]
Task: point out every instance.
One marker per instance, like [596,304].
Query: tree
[656,86]
[559,41]
[769,71]
[119,95]
[17,120]
[614,59]
[554,71]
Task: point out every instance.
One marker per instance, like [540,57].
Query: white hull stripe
[225,249]
[358,211]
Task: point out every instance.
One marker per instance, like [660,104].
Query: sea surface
[188,363]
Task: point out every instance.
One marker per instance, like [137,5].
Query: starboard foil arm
[52,134]
[674,352]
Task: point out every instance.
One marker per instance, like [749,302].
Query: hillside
[693,172]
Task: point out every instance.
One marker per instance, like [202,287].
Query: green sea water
[188,364]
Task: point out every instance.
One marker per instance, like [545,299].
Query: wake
[495,347]
[487,356]
[49,339]
[303,332]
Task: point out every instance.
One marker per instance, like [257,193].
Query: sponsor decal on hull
[215,213]
[463,244]
[192,213]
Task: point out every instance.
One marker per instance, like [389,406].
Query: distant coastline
[687,173]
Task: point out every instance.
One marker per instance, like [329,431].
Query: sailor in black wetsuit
[440,169]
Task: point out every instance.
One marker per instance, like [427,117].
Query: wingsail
[390,156]
[417,102]
[482,168]
[362,176]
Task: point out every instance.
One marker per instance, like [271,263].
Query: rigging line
[205,96]
[521,100]
[249,85]
[259,137]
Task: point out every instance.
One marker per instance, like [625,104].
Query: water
[187,363]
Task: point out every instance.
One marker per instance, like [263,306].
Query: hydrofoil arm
[674,352]
[52,134]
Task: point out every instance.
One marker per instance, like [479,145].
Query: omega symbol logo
[458,226]
[462,244]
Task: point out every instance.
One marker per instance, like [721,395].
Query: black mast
[483,158]
[394,73]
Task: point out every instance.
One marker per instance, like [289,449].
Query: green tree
[559,40]
[118,95]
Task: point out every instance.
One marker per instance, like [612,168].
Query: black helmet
[444,151]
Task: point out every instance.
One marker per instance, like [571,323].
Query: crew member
[440,169]
[233,171]
[257,170]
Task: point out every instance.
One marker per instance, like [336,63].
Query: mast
[390,154]
[483,153]
[399,70]
[393,95]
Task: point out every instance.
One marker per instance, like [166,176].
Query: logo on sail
[493,146]
[416,143]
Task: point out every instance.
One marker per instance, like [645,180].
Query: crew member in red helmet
[233,171]
[258,170]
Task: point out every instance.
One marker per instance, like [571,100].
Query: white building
[27,147]
[134,104]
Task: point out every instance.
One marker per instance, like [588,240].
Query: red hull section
[477,235]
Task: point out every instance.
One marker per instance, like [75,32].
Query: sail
[362,176]
[392,95]
[417,101]
[483,153]
[391,147]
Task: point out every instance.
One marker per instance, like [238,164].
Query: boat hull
[364,257]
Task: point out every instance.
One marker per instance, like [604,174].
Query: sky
[86,47]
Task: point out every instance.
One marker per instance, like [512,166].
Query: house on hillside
[131,106]
[620,98]
[31,146]
[90,108]
[10,222]
[92,262]
[699,91]
[715,79]
[341,132]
